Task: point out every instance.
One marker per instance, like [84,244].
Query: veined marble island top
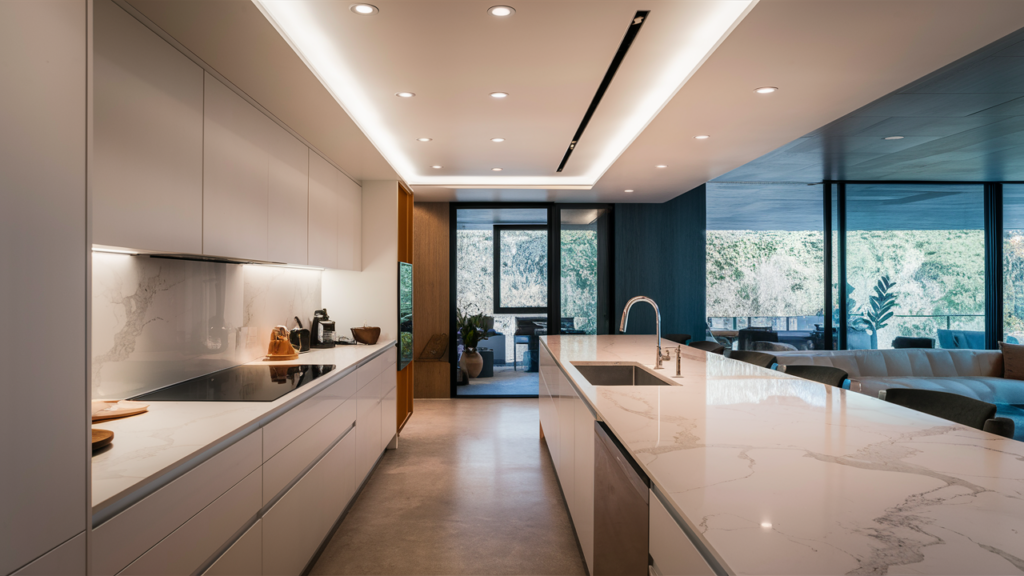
[779,475]
[173,435]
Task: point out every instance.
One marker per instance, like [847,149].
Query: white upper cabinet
[235,175]
[323,212]
[350,219]
[148,138]
[289,193]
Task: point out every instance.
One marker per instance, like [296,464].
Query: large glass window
[915,259]
[584,263]
[1013,263]
[521,259]
[765,267]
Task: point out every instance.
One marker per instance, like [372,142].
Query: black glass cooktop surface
[241,384]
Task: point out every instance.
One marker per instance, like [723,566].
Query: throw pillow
[1013,360]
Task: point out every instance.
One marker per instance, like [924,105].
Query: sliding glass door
[519,272]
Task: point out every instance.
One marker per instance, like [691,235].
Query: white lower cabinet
[340,486]
[244,557]
[124,538]
[296,525]
[282,469]
[671,549]
[389,406]
[186,549]
[583,515]
[291,527]
[368,446]
[566,441]
[569,434]
[264,504]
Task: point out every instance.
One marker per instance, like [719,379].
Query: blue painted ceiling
[962,123]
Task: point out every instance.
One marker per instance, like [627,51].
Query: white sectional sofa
[973,373]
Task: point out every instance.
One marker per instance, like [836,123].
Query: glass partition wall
[909,265]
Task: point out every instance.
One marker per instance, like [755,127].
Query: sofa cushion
[1013,360]
[902,362]
[984,388]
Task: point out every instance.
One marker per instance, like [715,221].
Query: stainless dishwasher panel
[621,510]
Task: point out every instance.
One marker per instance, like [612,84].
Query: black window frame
[496,248]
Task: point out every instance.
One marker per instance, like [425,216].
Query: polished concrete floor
[470,490]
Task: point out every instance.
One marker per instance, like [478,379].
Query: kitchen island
[769,474]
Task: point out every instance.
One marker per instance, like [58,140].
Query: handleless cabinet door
[235,175]
[566,441]
[583,515]
[323,212]
[244,557]
[350,223]
[148,167]
[389,408]
[368,446]
[291,528]
[288,193]
[340,475]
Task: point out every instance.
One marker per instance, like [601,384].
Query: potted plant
[473,328]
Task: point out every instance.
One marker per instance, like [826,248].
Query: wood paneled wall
[430,294]
[660,253]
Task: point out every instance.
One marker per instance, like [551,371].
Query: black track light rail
[627,41]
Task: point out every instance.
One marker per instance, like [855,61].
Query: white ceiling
[828,57]
[550,57]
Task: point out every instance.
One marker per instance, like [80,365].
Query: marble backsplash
[157,321]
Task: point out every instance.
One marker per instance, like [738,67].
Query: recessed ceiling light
[629,191]
[436,167]
[702,137]
[501,10]
[894,137]
[661,166]
[766,524]
[766,90]
[364,9]
[424,139]
[495,169]
[497,139]
[404,94]
[499,94]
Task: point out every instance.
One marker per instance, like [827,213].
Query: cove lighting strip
[298,24]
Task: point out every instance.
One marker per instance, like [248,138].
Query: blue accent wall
[660,253]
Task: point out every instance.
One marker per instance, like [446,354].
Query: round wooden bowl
[366,335]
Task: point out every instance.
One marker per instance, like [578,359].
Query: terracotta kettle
[280,345]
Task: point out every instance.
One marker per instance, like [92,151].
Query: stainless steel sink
[620,375]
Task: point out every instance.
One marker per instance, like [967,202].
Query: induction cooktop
[241,384]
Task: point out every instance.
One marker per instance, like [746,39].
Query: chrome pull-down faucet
[657,320]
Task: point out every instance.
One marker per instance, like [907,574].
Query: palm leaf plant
[882,304]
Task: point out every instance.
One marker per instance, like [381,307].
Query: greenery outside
[935,273]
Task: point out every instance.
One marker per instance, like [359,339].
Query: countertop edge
[117,503]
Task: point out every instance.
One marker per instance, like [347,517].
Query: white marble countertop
[173,437]
[780,475]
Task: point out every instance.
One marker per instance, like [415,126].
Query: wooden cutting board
[281,357]
[110,409]
[101,438]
